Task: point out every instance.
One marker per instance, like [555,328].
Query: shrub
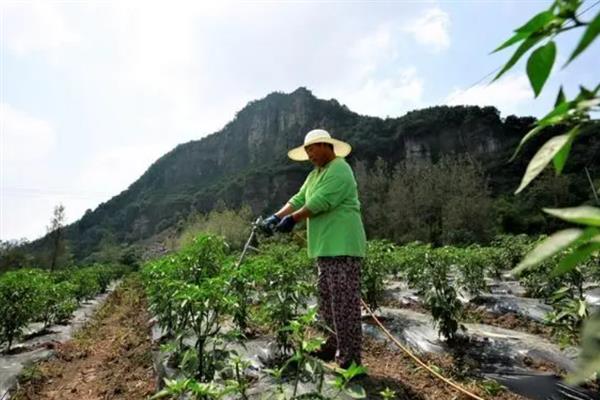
[284,284]
[57,302]
[442,299]
[190,293]
[20,301]
[377,265]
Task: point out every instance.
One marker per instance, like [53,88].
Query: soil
[396,371]
[508,321]
[110,358]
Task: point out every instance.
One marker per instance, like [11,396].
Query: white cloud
[508,94]
[35,26]
[376,83]
[432,29]
[163,57]
[148,93]
[25,138]
[375,49]
[389,96]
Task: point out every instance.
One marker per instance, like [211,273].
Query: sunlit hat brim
[341,149]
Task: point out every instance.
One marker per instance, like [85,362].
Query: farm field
[202,327]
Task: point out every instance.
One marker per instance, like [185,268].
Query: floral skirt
[339,305]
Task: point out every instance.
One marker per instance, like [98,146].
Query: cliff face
[246,161]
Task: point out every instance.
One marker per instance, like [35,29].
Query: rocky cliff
[246,161]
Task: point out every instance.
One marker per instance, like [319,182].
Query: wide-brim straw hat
[341,149]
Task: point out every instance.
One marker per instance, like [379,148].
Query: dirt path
[110,358]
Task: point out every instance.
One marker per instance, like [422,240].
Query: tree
[13,255]
[109,250]
[374,186]
[233,225]
[56,232]
[441,203]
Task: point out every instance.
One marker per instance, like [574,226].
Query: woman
[328,200]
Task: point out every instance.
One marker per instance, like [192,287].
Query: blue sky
[94,91]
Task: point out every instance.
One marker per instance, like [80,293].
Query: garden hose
[410,353]
[415,358]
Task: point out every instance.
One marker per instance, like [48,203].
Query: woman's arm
[287,209]
[298,216]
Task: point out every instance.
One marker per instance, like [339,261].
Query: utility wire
[589,8]
[42,192]
[477,82]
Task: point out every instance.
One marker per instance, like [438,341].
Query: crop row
[204,300]
[35,295]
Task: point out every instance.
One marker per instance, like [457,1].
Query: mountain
[246,163]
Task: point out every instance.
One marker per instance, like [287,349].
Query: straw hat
[341,149]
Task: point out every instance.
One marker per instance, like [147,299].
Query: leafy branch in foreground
[574,246]
[575,114]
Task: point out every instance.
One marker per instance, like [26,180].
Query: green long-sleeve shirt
[335,227]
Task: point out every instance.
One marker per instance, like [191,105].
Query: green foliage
[537,283]
[19,301]
[376,266]
[445,308]
[234,225]
[473,262]
[491,387]
[85,282]
[190,293]
[387,394]
[569,311]
[556,244]
[522,214]
[201,307]
[554,148]
[58,302]
[511,249]
[374,186]
[184,388]
[428,269]
[13,255]
[242,280]
[571,246]
[589,361]
[446,202]
[343,381]
[109,250]
[30,295]
[307,368]
[283,281]
[56,232]
[539,66]
[541,279]
[588,37]
[241,383]
[417,263]
[546,25]
[410,263]
[442,299]
[161,280]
